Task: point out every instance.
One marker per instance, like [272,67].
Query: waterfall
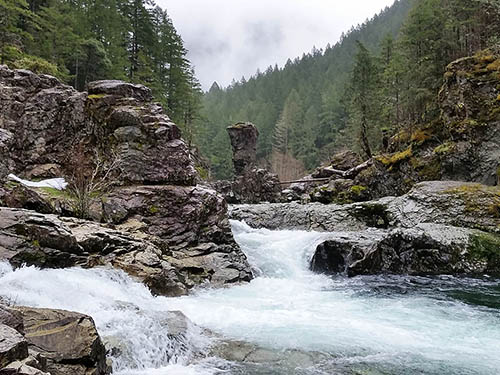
[370,324]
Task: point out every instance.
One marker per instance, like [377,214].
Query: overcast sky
[229,39]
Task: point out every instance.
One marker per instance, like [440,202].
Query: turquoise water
[364,325]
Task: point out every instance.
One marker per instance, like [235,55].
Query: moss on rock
[486,247]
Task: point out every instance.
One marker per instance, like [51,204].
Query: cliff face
[149,218]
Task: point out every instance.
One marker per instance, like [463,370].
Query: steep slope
[314,84]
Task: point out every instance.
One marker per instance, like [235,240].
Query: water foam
[396,325]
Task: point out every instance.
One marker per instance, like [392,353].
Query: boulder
[452,203]
[146,144]
[13,345]
[11,318]
[427,249]
[120,88]
[30,238]
[190,223]
[20,368]
[67,340]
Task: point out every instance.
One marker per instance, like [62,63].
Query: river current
[370,325]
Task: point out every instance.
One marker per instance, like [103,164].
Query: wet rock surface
[169,263]
[171,234]
[55,342]
[439,227]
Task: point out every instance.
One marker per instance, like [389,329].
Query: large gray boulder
[67,342]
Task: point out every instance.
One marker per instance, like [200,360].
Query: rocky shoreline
[135,202]
[439,227]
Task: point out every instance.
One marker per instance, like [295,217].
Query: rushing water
[364,325]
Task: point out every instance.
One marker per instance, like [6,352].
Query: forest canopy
[80,41]
[379,77]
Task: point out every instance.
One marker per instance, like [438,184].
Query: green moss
[392,159]
[475,189]
[202,172]
[445,148]
[430,171]
[55,193]
[35,243]
[11,185]
[494,209]
[153,210]
[358,189]
[420,136]
[494,66]
[96,96]
[485,247]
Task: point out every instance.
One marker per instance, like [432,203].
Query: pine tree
[364,105]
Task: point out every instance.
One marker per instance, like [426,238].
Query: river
[370,325]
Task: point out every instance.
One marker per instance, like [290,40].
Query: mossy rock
[390,160]
[445,148]
[486,247]
[96,96]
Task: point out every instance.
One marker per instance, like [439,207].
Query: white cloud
[228,39]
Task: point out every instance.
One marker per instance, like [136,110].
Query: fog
[229,39]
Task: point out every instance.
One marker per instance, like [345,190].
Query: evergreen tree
[364,109]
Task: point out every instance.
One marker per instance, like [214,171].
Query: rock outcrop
[169,259]
[243,138]
[54,342]
[439,227]
[462,143]
[150,218]
[147,143]
[251,184]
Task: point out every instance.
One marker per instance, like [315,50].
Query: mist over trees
[80,41]
[381,76]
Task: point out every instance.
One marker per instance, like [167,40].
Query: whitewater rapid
[364,325]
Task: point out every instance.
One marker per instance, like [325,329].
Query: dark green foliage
[318,79]
[86,40]
[381,77]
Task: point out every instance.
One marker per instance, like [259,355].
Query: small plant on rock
[91,179]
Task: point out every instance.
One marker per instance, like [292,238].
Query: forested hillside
[85,40]
[381,76]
